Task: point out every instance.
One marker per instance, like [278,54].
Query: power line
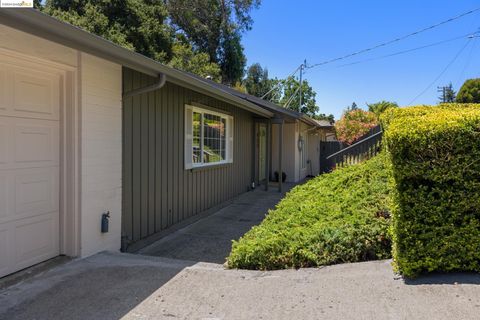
[291,98]
[394,40]
[441,73]
[467,62]
[404,51]
[279,83]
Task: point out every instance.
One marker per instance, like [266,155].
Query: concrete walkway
[210,239]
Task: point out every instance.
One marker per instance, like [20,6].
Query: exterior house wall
[303,172]
[158,191]
[101,156]
[314,152]
[98,94]
[291,155]
[36,47]
[290,150]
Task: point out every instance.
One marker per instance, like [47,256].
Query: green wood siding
[157,191]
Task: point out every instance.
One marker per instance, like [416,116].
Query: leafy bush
[469,92]
[334,218]
[435,161]
[354,124]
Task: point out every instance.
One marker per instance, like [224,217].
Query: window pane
[212,129]
[196,152]
[223,138]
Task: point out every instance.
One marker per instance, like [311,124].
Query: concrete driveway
[127,286]
[183,278]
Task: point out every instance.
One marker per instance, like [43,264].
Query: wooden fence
[326,149]
[365,148]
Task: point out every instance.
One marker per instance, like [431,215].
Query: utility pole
[302,66]
[443,97]
[447,93]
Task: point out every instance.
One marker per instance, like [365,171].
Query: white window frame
[189,164]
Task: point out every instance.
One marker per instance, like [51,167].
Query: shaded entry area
[210,238]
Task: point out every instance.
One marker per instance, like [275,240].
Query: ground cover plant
[435,161]
[342,216]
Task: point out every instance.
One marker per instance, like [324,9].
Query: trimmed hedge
[334,218]
[435,160]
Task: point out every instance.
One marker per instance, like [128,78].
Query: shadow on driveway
[453,278]
[111,285]
[104,286]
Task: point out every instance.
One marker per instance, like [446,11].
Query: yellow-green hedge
[435,157]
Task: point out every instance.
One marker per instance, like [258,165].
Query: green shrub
[334,218]
[469,92]
[435,161]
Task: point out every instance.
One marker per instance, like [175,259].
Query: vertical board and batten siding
[158,191]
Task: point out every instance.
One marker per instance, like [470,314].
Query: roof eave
[39,24]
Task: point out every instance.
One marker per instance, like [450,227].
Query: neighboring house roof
[324,123]
[37,23]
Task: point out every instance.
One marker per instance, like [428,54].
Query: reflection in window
[209,138]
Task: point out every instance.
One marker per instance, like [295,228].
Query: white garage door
[29,165]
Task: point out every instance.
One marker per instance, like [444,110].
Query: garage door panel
[30,100]
[35,96]
[29,94]
[3,90]
[36,143]
[36,191]
[4,137]
[5,196]
[34,241]
[26,143]
[5,247]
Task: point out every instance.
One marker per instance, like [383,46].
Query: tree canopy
[215,27]
[257,82]
[291,96]
[469,92]
[187,59]
[138,25]
[379,107]
[284,92]
[199,36]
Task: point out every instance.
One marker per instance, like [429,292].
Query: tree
[354,124]
[291,96]
[257,82]
[448,94]
[138,25]
[469,92]
[232,60]
[351,108]
[215,27]
[187,59]
[379,107]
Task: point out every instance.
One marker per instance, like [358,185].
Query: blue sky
[287,32]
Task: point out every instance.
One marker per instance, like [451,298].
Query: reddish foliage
[354,124]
